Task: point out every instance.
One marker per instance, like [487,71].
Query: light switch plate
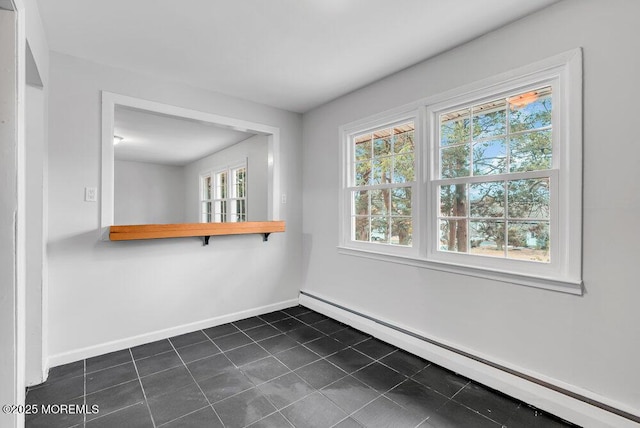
[90,194]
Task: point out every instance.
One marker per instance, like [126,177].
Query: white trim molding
[563,73]
[12,211]
[110,100]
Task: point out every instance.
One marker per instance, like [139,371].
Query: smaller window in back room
[223,195]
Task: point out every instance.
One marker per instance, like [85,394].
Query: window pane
[453,200]
[529,241]
[490,157]
[403,166]
[529,198]
[403,140]
[206,187]
[455,127]
[380,202]
[530,110]
[489,119]
[401,230]
[363,173]
[240,184]
[486,199]
[206,212]
[240,209]
[361,228]
[382,143]
[220,211]
[454,161]
[361,202]
[382,170]
[453,235]
[363,148]
[487,238]
[401,201]
[380,229]
[530,151]
[221,185]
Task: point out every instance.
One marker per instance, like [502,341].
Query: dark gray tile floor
[287,368]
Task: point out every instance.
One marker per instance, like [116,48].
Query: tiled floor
[286,368]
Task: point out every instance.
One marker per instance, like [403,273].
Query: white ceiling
[292,54]
[168,140]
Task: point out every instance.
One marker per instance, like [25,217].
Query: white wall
[148,193]
[105,295]
[37,38]
[590,342]
[36,153]
[255,151]
[36,197]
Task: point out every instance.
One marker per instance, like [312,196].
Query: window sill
[563,286]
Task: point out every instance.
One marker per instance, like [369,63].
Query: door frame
[12,221]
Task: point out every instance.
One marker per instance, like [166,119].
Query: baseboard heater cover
[534,380]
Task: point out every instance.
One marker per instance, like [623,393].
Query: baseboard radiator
[616,417]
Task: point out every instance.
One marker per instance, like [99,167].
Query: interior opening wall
[111,294]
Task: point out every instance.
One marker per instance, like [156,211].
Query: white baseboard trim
[530,391]
[116,345]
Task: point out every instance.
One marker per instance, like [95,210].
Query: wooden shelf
[205,230]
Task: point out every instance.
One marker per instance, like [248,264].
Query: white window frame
[347,135]
[228,169]
[564,272]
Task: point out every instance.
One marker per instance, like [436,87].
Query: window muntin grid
[494,177]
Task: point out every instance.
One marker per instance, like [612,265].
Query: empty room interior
[319,213]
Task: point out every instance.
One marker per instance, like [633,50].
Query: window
[494,177]
[224,195]
[483,180]
[382,183]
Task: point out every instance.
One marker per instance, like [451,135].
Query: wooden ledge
[181,230]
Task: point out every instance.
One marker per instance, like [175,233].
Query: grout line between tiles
[190,344]
[144,394]
[198,385]
[84,395]
[187,414]
[110,367]
[115,411]
[422,421]
[458,392]
[319,390]
[284,374]
[112,386]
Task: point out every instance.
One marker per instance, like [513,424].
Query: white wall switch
[90,194]
[283,198]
